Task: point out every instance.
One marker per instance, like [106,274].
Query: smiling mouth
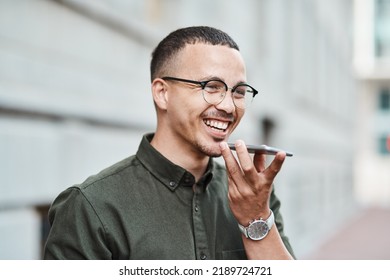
[217,125]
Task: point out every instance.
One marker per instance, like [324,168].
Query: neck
[184,156]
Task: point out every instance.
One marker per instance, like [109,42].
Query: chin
[211,150]
[215,155]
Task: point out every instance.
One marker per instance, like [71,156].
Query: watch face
[258,230]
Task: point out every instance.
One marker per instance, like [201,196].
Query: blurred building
[75,97]
[372,65]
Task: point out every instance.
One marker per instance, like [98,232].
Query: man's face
[195,123]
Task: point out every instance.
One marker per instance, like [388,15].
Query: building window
[382,28]
[384,99]
[268,128]
[384,145]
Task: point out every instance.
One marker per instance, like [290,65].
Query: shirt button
[196,208]
[172,184]
[203,256]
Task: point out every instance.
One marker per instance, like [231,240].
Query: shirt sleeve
[76,231]
[275,207]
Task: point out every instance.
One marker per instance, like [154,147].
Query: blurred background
[75,98]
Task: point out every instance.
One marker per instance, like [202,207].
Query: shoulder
[111,175]
[106,185]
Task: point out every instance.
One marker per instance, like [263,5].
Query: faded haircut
[165,51]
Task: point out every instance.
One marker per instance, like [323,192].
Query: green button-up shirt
[146,207]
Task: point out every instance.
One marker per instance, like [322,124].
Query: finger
[232,166]
[275,166]
[243,156]
[233,192]
[246,161]
[259,160]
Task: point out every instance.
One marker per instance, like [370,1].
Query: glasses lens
[243,96]
[214,92]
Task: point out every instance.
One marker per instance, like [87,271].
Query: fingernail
[223,145]
[239,143]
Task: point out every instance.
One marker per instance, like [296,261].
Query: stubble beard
[209,150]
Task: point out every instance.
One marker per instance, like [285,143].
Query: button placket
[200,234]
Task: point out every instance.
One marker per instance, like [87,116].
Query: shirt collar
[168,173]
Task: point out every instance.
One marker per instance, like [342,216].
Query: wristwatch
[258,229]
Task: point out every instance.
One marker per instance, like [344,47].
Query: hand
[250,182]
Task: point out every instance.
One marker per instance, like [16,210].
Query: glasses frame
[203,84]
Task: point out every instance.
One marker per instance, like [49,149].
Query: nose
[227,103]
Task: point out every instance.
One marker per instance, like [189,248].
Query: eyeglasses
[214,91]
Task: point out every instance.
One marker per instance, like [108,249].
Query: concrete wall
[75,97]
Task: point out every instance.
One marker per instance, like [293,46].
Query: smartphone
[261,149]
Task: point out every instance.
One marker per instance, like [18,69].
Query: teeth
[217,124]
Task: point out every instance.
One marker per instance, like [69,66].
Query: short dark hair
[177,40]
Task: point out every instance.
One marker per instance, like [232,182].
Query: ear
[160,93]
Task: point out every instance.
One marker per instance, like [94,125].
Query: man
[172,200]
